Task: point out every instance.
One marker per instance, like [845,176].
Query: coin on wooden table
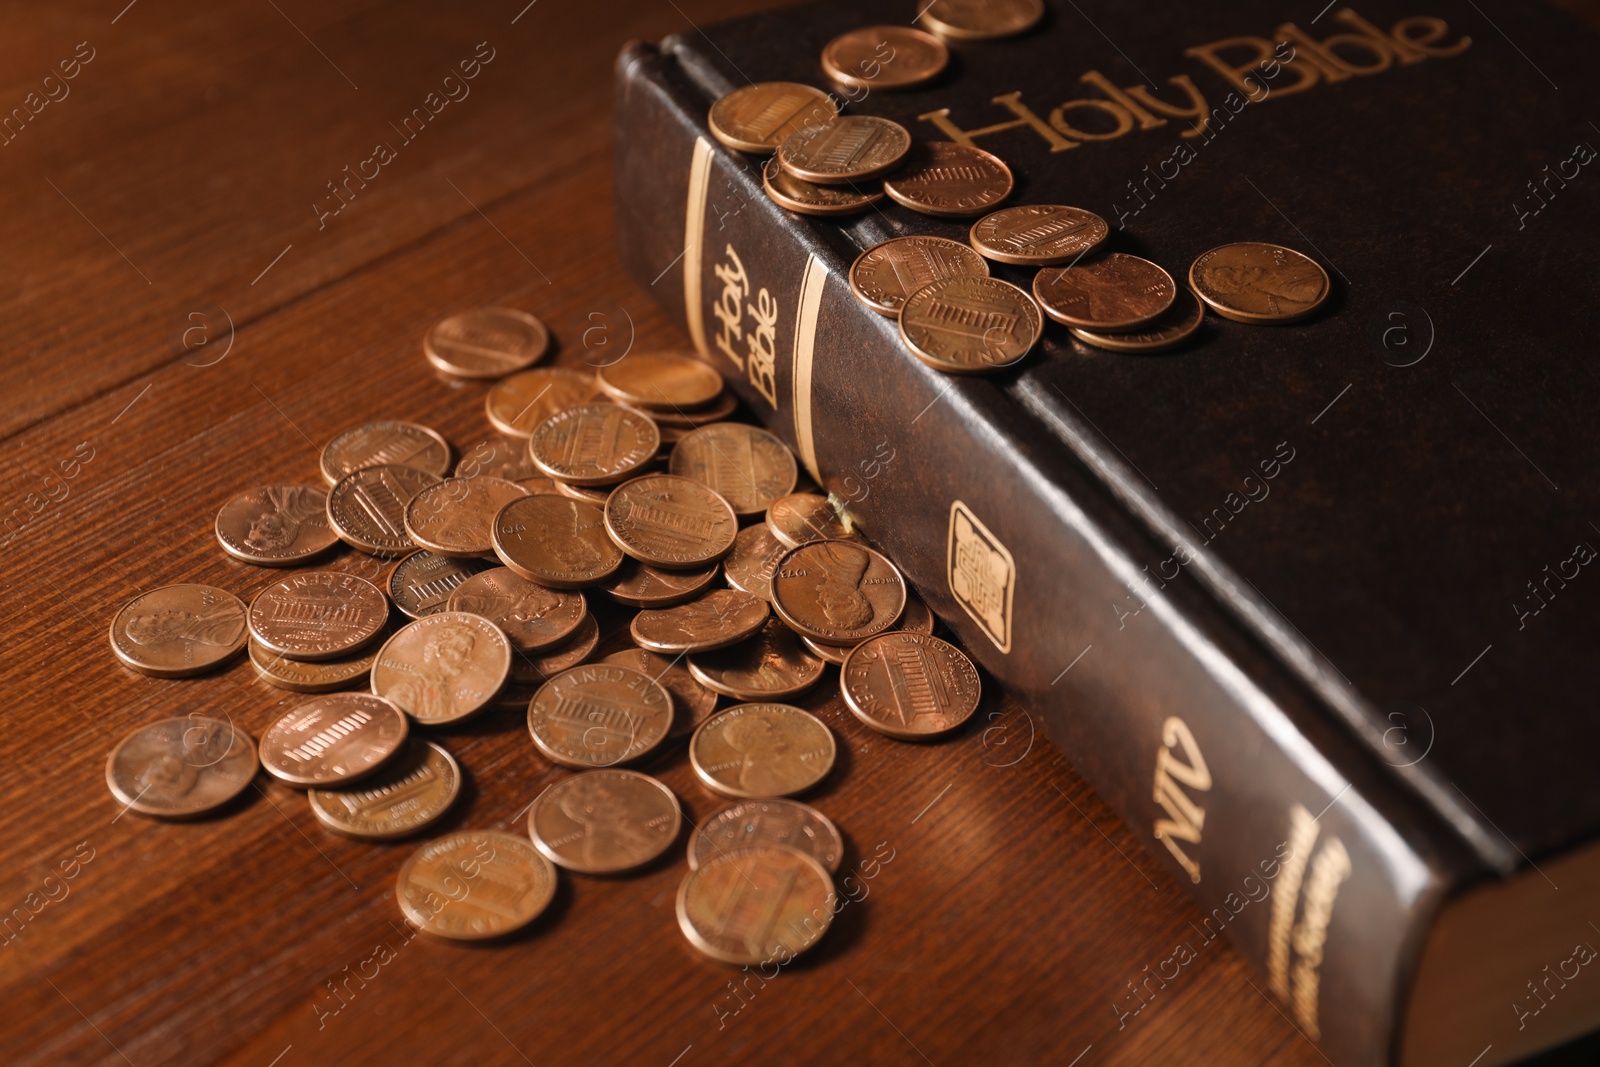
[497,457]
[750,566]
[537,667]
[412,792]
[692,703]
[758,117]
[643,586]
[837,592]
[885,274]
[1261,283]
[378,444]
[851,148]
[318,615]
[475,884]
[1169,331]
[556,542]
[884,57]
[809,198]
[334,739]
[367,507]
[604,822]
[718,619]
[517,404]
[762,750]
[949,180]
[660,380]
[421,583]
[802,517]
[179,630]
[533,617]
[599,715]
[910,685]
[769,666]
[455,517]
[970,325]
[756,906]
[443,668]
[747,466]
[981,20]
[1109,294]
[183,767]
[299,676]
[767,823]
[486,343]
[593,444]
[668,521]
[1038,235]
[276,525]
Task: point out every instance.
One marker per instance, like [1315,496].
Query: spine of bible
[1294,842]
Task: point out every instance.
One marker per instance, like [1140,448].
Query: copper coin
[334,739]
[762,750]
[910,685]
[688,418]
[378,444]
[809,198]
[769,823]
[299,676]
[455,517]
[276,525]
[486,343]
[643,586]
[498,457]
[747,466]
[851,148]
[837,592]
[970,325]
[533,617]
[540,484]
[758,117]
[769,666]
[981,20]
[537,667]
[884,57]
[318,615]
[443,668]
[517,404]
[412,792]
[599,715]
[692,703]
[593,444]
[754,559]
[1169,331]
[718,619]
[916,618]
[756,906]
[556,542]
[672,522]
[179,630]
[605,821]
[801,517]
[1110,294]
[367,508]
[182,767]
[597,497]
[834,654]
[949,180]
[885,274]
[1260,283]
[1038,235]
[660,380]
[421,583]
[475,884]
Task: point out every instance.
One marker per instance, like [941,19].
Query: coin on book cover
[809,198]
[762,750]
[599,715]
[692,703]
[768,823]
[497,457]
[421,583]
[672,522]
[443,668]
[1179,324]
[475,884]
[747,466]
[1038,235]
[718,619]
[970,325]
[949,180]
[412,792]
[910,685]
[179,630]
[666,380]
[276,525]
[367,507]
[640,585]
[981,20]
[1260,283]
[181,767]
[769,666]
[389,441]
[517,404]
[1117,293]
[885,274]
[593,444]
[753,560]
[555,541]
[301,676]
[801,517]
[758,117]
[837,592]
[333,740]
[486,343]
[533,617]
[605,821]
[884,57]
[454,517]
[318,615]
[851,148]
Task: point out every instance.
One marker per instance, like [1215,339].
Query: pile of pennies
[623,490]
[953,314]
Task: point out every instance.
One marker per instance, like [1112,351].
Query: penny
[885,274]
[910,685]
[410,793]
[643,586]
[718,619]
[179,630]
[599,715]
[486,342]
[1260,283]
[747,466]
[498,457]
[809,198]
[851,148]
[758,117]
[367,508]
[455,517]
[556,542]
[300,676]
[756,906]
[334,739]
[672,522]
[916,618]
[769,666]
[533,617]
[318,615]
[276,525]
[981,20]
[536,668]
[517,404]
[837,592]
[540,484]
[1169,331]
[443,668]
[475,884]
[692,703]
[762,750]
[768,823]
[597,497]
[834,654]
[970,325]
[378,444]
[421,583]
[593,444]
[802,517]
[884,57]
[688,418]
[1111,294]
[750,566]
[660,380]
[182,767]
[949,180]
[1038,235]
[605,821]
